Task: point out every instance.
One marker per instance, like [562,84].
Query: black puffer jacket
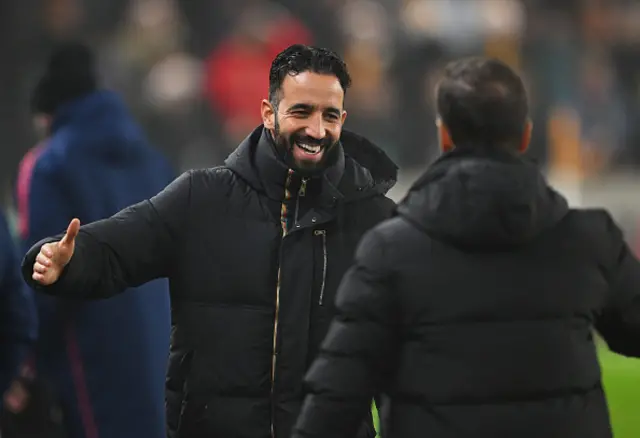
[473,310]
[250,307]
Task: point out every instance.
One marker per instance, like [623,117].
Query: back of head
[70,74]
[483,104]
[483,194]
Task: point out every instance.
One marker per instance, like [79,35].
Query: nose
[316,128]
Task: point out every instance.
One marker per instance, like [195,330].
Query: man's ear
[444,137]
[526,137]
[268,114]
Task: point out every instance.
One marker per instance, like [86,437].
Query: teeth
[310,149]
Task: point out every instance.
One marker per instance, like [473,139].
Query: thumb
[72,231]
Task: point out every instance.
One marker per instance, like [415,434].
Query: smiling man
[310,117]
[254,251]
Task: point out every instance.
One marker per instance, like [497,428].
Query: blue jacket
[17,311]
[107,359]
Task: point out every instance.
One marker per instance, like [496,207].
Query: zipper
[301,193]
[274,351]
[303,187]
[323,233]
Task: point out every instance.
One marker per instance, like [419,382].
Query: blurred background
[183,67]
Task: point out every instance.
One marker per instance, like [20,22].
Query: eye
[331,117]
[300,114]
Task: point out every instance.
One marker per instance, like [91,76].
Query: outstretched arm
[135,246]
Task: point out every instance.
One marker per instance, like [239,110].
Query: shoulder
[216,183]
[596,229]
[377,207]
[41,164]
[593,224]
[218,179]
[397,231]
[598,217]
[394,240]
[50,157]
[384,204]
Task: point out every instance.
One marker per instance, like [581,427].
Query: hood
[99,125]
[373,170]
[363,169]
[494,199]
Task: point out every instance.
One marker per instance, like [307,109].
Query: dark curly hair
[299,58]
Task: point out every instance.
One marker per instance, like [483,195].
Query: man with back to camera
[254,251]
[473,308]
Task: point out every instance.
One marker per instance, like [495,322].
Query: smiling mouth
[310,149]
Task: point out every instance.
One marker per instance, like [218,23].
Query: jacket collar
[256,160]
[360,169]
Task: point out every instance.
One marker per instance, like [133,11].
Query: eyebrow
[309,108]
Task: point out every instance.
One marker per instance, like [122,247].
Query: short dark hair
[299,58]
[483,102]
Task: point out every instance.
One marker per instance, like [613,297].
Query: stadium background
[193,72]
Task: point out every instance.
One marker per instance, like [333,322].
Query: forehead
[313,89]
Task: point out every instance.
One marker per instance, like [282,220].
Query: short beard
[284,149]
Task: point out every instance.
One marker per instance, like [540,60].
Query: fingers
[43,263]
[43,260]
[47,250]
[42,274]
[40,268]
[72,232]
[38,277]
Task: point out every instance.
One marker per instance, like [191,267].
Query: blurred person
[473,308]
[602,112]
[106,360]
[22,37]
[17,313]
[32,410]
[236,71]
[415,66]
[370,101]
[254,251]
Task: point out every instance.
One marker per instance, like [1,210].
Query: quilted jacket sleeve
[132,247]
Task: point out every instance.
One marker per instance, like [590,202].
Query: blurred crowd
[183,66]
[193,73]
